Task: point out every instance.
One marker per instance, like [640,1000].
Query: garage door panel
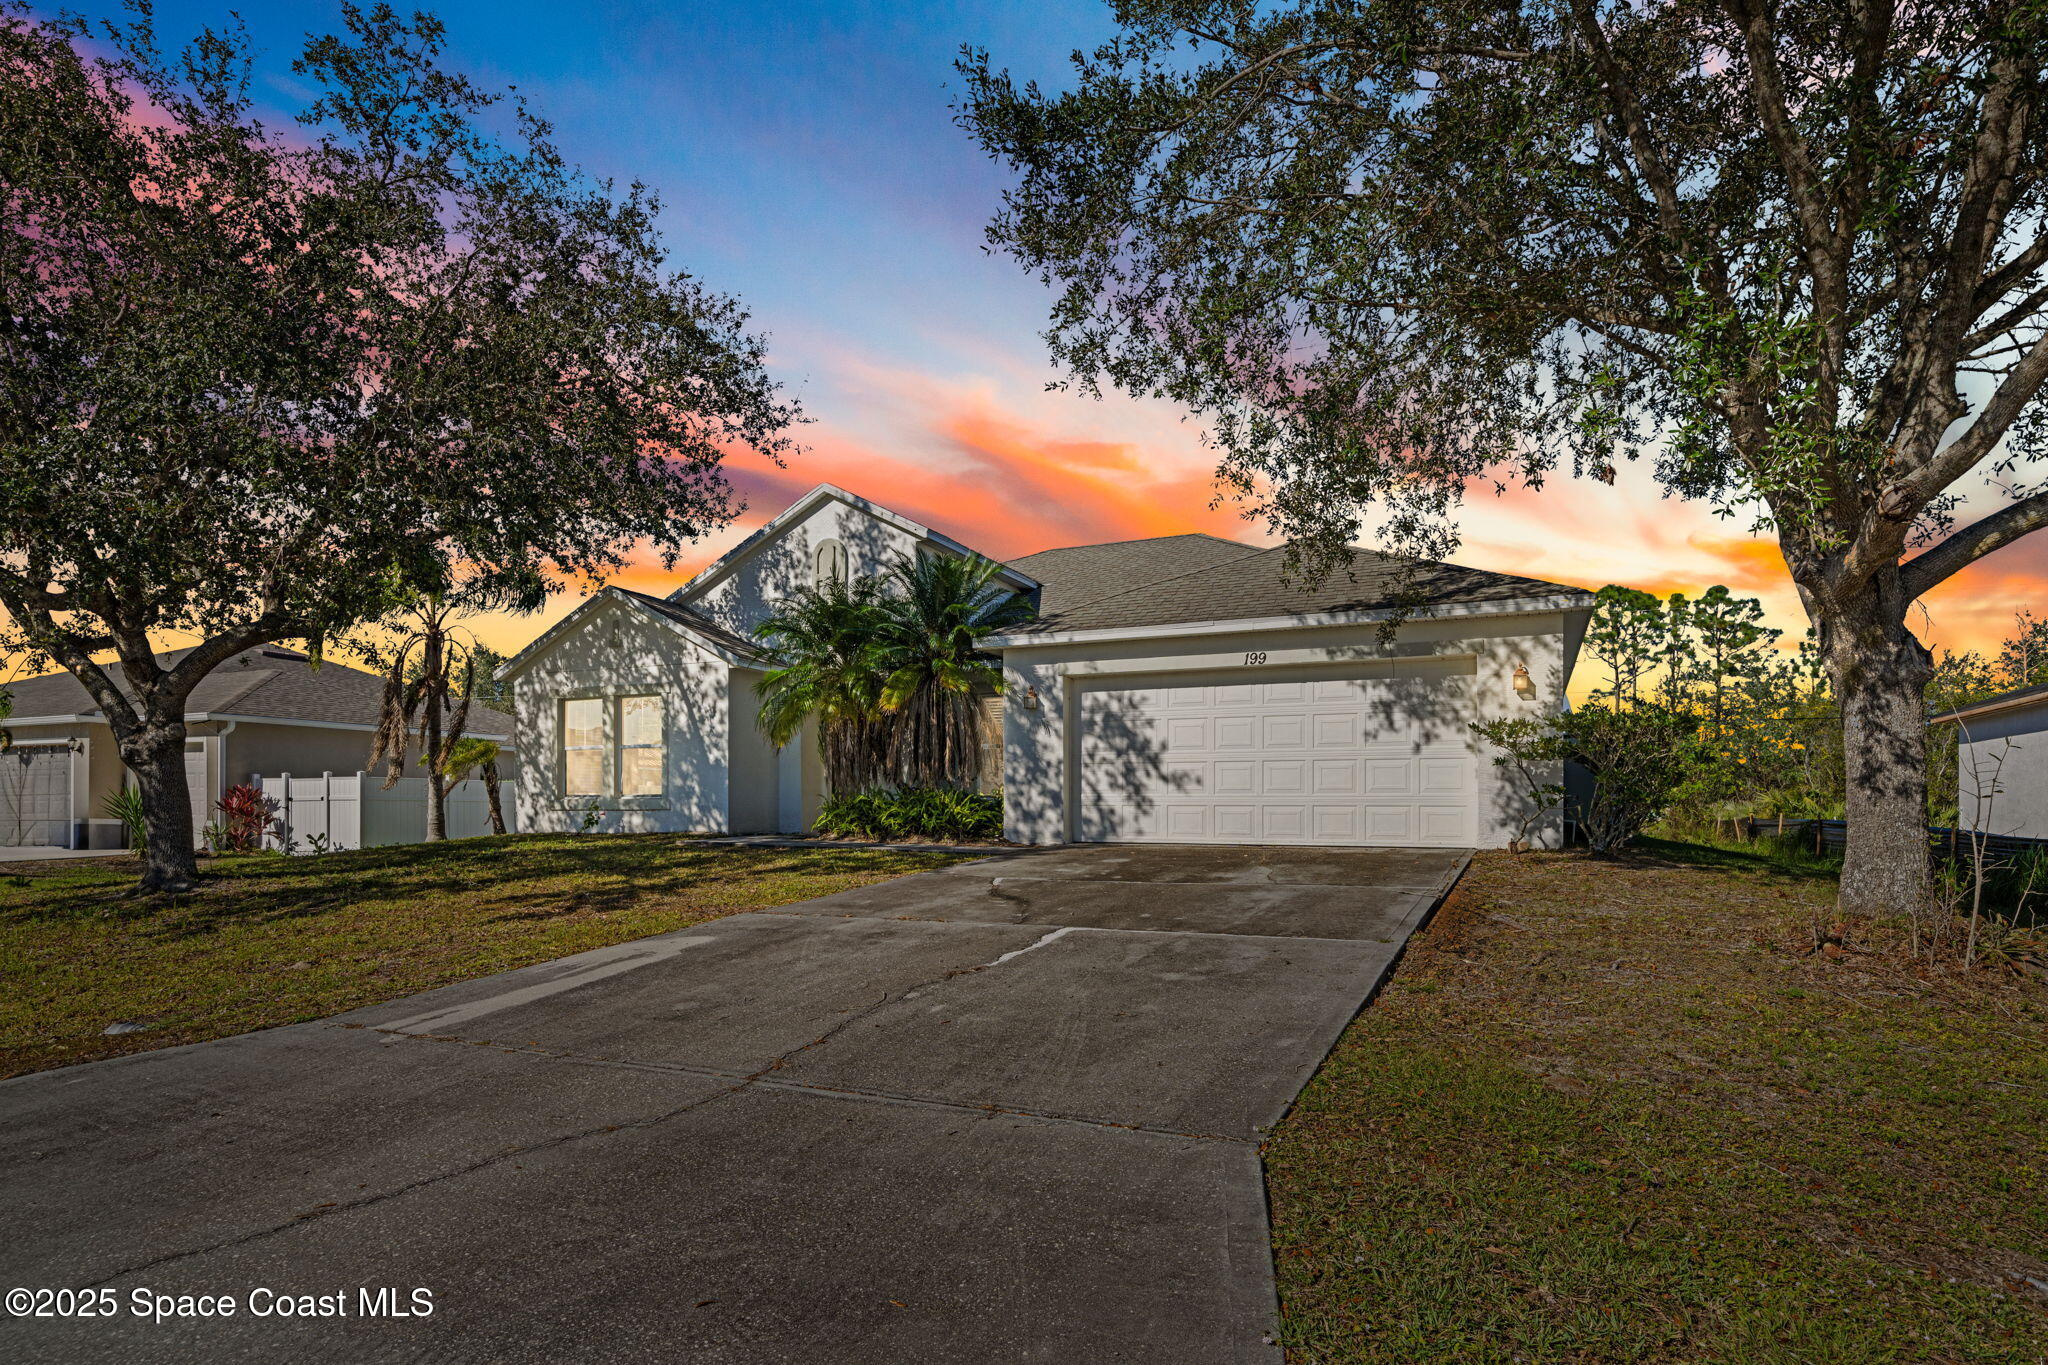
[1390,824]
[1284,776]
[1236,777]
[1285,732]
[1337,824]
[1284,822]
[1353,759]
[1336,732]
[1389,777]
[1237,732]
[1337,777]
[1445,824]
[1234,822]
[1444,776]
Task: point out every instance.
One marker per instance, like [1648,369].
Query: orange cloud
[1009,469]
[1751,562]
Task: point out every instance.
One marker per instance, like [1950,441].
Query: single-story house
[1176,689]
[267,710]
[2002,763]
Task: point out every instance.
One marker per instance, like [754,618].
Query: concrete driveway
[1008,1111]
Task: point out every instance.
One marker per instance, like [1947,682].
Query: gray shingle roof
[268,683]
[1131,584]
[698,622]
[1086,573]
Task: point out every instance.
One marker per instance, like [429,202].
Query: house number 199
[1256,656]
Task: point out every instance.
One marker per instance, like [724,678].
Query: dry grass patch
[1623,1112]
[272,940]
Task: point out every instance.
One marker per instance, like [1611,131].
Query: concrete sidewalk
[1005,1111]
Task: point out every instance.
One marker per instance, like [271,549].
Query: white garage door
[35,796]
[1369,756]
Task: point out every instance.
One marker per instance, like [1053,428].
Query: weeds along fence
[1832,836]
[355,810]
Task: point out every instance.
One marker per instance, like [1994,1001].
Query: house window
[583,747]
[612,746]
[830,562]
[640,747]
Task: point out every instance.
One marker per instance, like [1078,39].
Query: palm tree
[431,673]
[940,609]
[483,755]
[416,693]
[827,641]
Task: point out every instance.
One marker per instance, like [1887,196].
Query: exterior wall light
[1525,686]
[1030,699]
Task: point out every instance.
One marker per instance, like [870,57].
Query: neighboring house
[267,710]
[2002,763]
[1178,689]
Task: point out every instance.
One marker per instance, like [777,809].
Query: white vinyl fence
[354,810]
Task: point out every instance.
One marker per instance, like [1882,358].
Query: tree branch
[1961,455]
[1973,542]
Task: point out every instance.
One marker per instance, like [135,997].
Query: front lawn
[270,940]
[1618,1113]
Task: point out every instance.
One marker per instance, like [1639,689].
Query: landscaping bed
[1624,1112]
[271,940]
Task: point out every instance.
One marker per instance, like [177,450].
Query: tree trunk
[437,789]
[1880,672]
[156,755]
[490,773]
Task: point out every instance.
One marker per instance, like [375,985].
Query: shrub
[246,814]
[125,805]
[1637,757]
[939,813]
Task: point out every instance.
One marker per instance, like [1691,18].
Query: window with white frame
[640,747]
[612,746]
[583,747]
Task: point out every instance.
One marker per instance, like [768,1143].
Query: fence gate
[356,810]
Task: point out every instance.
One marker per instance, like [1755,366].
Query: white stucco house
[2002,763]
[1176,689]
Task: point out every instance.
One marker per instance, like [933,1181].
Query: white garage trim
[1323,657]
[1444,611]
[1350,753]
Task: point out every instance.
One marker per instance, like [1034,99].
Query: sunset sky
[810,166]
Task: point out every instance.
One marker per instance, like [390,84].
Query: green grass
[1616,1113]
[270,940]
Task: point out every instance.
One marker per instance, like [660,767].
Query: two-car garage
[1189,689]
[1375,754]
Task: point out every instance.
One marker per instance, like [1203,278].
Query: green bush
[939,813]
[1637,757]
[125,804]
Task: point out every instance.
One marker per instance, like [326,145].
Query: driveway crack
[424,1182]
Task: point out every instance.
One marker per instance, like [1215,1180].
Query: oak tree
[252,376]
[1789,251]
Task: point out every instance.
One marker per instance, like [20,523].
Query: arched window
[829,562]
